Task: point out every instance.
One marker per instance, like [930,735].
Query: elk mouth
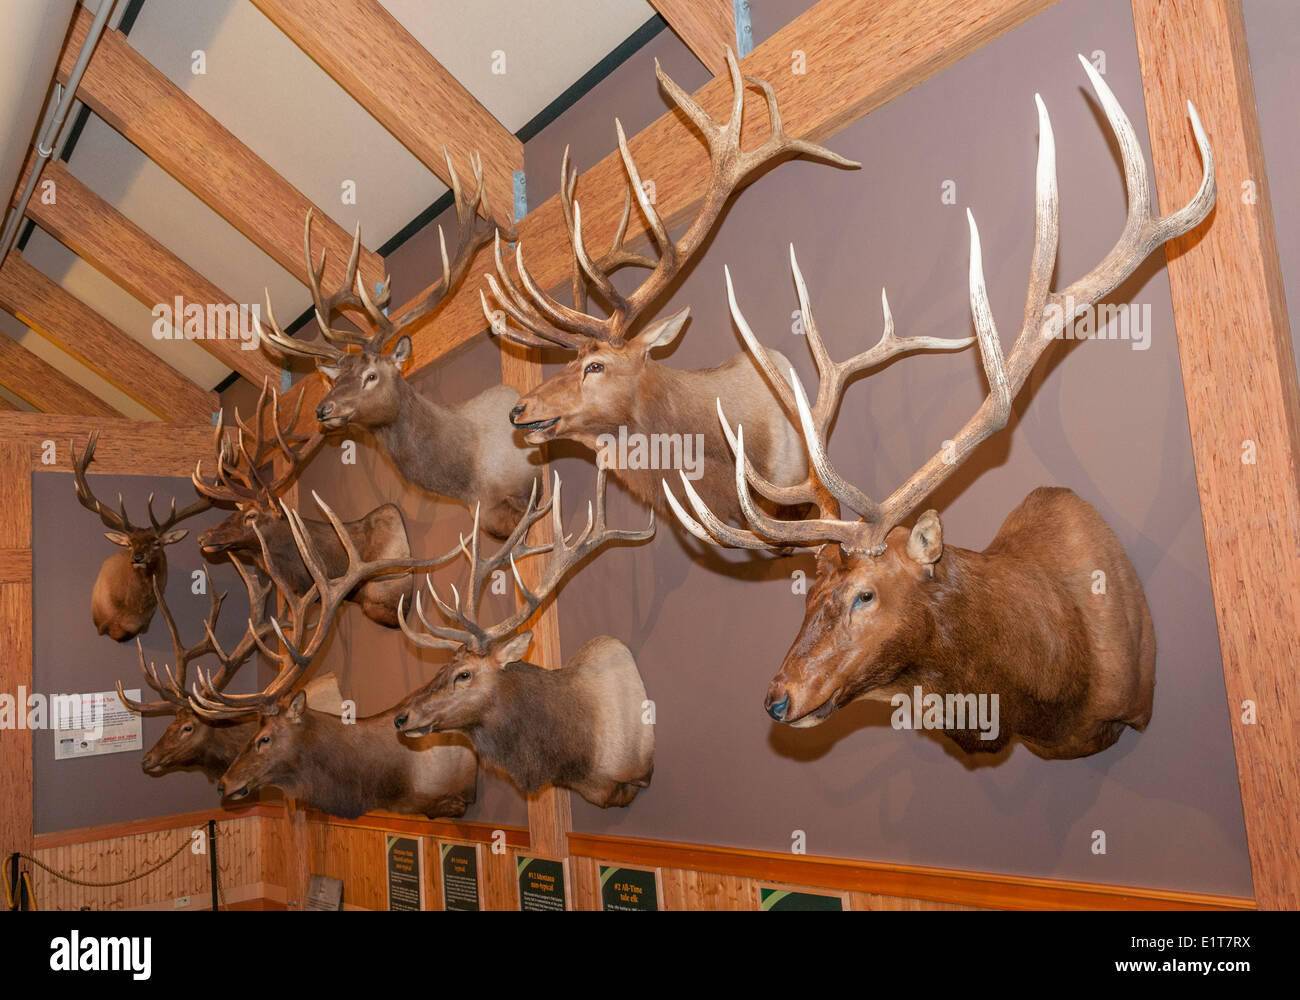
[415,732]
[333,422]
[819,714]
[535,430]
[239,793]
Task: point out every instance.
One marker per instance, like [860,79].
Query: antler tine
[433,637]
[564,557]
[87,499]
[729,168]
[470,238]
[281,342]
[519,308]
[169,702]
[1046,313]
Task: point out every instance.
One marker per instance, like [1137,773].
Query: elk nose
[324,410]
[518,412]
[777,709]
[400,721]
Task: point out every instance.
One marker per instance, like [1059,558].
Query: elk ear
[663,333]
[513,650]
[296,707]
[330,371]
[174,536]
[402,351]
[117,538]
[925,545]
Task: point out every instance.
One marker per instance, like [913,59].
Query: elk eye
[188,729]
[263,741]
[463,675]
[864,599]
[370,377]
[593,369]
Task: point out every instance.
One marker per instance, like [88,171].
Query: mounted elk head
[258,519]
[123,602]
[613,390]
[467,452]
[190,741]
[539,726]
[894,611]
[345,769]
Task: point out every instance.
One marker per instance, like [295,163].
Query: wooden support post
[549,815]
[1243,405]
[15,643]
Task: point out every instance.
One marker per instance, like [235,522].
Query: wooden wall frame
[1225,278]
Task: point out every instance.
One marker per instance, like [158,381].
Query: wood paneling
[708,27]
[167,126]
[550,814]
[858,56]
[151,824]
[69,323]
[707,865]
[44,386]
[1239,376]
[126,447]
[239,849]
[15,565]
[104,238]
[369,54]
[15,647]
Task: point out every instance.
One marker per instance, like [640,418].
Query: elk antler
[327,592]
[565,555]
[1045,317]
[239,479]
[173,688]
[545,322]
[352,294]
[118,520]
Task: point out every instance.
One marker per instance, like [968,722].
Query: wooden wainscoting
[113,852]
[700,877]
[353,850]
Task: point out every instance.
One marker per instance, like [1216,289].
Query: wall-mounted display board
[630,888]
[460,875]
[781,897]
[543,883]
[404,863]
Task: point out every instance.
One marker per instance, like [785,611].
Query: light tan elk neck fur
[675,401]
[467,452]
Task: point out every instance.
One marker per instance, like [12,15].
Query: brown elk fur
[578,727]
[1021,619]
[347,769]
[381,534]
[190,741]
[122,602]
[467,453]
[638,393]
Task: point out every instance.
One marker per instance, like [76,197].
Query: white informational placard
[91,725]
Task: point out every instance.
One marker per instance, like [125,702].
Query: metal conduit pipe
[58,102]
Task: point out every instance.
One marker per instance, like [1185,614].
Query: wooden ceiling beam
[857,57]
[708,27]
[124,89]
[44,386]
[63,319]
[100,235]
[126,447]
[368,53]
